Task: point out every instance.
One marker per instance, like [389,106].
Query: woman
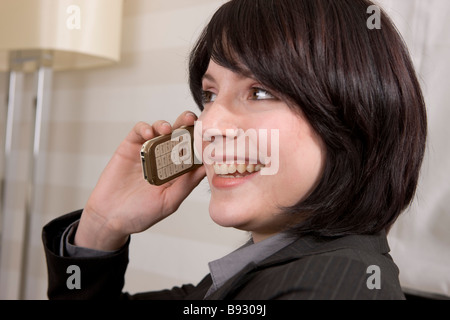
[350,123]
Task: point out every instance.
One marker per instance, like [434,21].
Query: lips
[231,175]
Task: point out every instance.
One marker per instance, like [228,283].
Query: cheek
[301,158]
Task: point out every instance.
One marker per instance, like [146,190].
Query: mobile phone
[167,157]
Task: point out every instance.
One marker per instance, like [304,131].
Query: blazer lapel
[289,253]
[302,247]
[234,283]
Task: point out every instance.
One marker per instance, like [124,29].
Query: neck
[258,237]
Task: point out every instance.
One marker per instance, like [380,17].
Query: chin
[229,216]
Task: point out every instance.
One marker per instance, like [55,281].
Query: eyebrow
[243,73]
[208,77]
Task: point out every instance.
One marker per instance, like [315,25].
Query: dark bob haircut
[356,86]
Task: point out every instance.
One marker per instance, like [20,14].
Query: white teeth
[225,169]
[231,169]
[241,168]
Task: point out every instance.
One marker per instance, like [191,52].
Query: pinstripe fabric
[317,269]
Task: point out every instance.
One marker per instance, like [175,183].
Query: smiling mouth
[236,170]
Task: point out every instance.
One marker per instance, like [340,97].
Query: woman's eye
[208,96]
[260,94]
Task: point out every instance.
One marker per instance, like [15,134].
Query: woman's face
[279,143]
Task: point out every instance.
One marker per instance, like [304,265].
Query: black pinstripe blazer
[350,267]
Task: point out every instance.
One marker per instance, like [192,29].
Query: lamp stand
[17,216]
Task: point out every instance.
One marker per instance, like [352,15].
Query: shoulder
[337,276]
[352,268]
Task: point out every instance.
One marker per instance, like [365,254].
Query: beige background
[93,110]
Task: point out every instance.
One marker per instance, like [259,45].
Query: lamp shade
[77,33]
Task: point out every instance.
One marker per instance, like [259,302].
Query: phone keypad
[165,166]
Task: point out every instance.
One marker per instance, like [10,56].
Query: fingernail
[190,114]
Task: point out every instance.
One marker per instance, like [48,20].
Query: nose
[218,118]
[218,125]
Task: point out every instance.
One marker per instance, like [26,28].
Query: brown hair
[357,87]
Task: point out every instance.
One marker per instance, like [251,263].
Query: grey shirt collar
[225,268]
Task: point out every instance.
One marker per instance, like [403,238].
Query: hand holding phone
[122,202]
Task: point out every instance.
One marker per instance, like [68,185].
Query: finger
[181,187]
[162,127]
[187,118]
[141,132]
